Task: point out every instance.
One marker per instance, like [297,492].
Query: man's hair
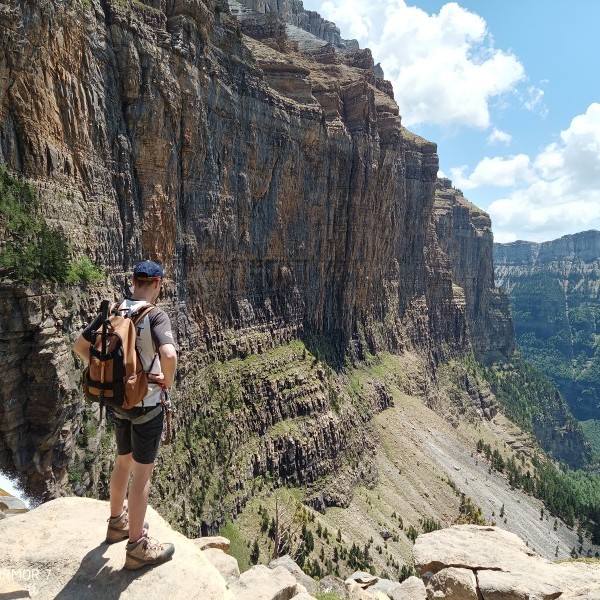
[141,281]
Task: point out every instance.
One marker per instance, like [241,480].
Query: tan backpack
[115,375]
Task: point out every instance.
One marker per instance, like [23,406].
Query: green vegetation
[238,548]
[557,325]
[32,250]
[84,270]
[532,401]
[591,430]
[572,495]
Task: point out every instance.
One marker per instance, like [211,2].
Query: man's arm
[164,341]
[168,363]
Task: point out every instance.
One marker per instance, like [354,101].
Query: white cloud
[351,16]
[564,196]
[497,171]
[534,101]
[443,67]
[500,136]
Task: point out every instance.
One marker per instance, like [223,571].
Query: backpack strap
[141,312]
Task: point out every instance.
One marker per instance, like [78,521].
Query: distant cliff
[464,232]
[268,169]
[555,296]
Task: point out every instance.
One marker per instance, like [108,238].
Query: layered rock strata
[465,235]
[555,293]
[285,200]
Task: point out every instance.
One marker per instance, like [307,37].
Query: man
[137,443]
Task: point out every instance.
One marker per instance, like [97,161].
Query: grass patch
[589,561]
[238,548]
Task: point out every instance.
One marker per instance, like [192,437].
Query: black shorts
[142,440]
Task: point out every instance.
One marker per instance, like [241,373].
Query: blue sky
[508,89]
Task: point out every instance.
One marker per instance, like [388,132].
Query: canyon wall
[284,198]
[465,235]
[555,295]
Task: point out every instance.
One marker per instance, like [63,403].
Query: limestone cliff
[465,235]
[555,295]
[272,177]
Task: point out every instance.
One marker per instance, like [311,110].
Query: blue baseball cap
[148,269]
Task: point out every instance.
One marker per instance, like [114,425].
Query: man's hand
[158,379]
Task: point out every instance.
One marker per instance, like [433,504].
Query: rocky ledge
[57,551]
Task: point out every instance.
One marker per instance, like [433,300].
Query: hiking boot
[118,528]
[147,551]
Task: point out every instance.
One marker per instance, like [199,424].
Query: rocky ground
[57,551]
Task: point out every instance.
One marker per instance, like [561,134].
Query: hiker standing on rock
[139,429]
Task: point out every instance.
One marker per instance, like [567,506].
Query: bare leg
[138,499]
[118,483]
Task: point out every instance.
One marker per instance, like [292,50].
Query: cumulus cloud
[564,195]
[444,67]
[500,136]
[497,171]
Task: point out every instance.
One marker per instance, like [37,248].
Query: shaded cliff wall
[293,13]
[555,295]
[280,192]
[465,235]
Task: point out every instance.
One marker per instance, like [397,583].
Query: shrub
[85,270]
[32,249]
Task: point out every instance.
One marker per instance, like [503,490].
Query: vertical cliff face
[465,235]
[555,293]
[276,185]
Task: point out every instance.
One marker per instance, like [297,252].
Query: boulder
[333,585]
[262,583]
[215,541]
[506,568]
[60,546]
[363,579]
[290,565]
[304,596]
[496,585]
[387,586]
[458,584]
[412,588]
[471,547]
[224,563]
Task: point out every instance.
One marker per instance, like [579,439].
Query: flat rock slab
[412,588]
[57,550]
[471,547]
[290,565]
[215,541]
[224,563]
[506,569]
[262,583]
